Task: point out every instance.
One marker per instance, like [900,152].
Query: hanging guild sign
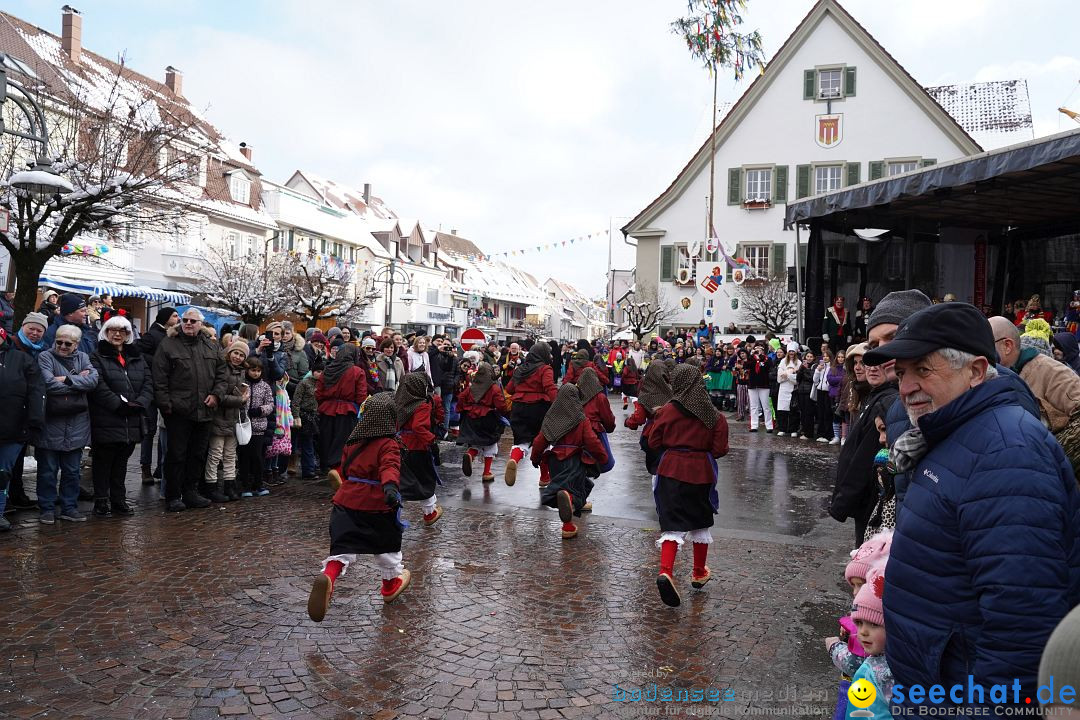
[829,130]
[710,278]
[738,275]
[712,245]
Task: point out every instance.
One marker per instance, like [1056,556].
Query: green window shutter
[667,263]
[877,170]
[927,162]
[809,84]
[853,170]
[849,82]
[802,181]
[778,260]
[779,192]
[734,181]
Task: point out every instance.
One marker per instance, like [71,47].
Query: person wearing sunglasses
[74,312]
[69,378]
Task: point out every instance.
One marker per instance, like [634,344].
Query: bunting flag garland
[546,247]
[324,258]
[81,249]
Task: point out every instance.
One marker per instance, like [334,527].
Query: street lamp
[40,182]
[390,275]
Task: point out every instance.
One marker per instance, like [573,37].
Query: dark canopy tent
[1000,225]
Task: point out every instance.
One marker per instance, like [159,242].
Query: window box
[757,203]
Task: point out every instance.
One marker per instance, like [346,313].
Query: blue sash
[402,522]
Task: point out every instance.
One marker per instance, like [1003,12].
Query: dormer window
[240,188]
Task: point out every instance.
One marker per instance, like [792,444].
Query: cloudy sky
[521,124]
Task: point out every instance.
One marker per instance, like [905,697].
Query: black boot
[102,509]
[194,500]
[214,494]
[176,505]
[122,508]
[147,476]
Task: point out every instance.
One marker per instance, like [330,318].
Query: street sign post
[471,338]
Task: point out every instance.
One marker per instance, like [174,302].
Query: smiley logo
[861,694]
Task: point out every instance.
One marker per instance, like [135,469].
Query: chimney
[245,149]
[174,80]
[72,33]
[453,232]
[367,193]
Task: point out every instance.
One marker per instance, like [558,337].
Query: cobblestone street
[202,614]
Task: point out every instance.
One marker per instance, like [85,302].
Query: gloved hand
[391,495]
[255,411]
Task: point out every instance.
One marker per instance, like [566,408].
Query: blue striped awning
[119,290]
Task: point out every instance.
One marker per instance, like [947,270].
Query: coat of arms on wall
[829,130]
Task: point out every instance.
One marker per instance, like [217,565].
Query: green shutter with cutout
[667,263]
[779,193]
[802,181]
[778,260]
[877,169]
[849,82]
[809,84]
[927,162]
[852,173]
[734,181]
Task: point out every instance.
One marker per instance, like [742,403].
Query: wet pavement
[202,614]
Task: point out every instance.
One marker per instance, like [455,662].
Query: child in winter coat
[804,392]
[306,408]
[417,414]
[573,445]
[482,407]
[222,449]
[532,389]
[655,393]
[631,376]
[598,412]
[260,407]
[869,617]
[366,517]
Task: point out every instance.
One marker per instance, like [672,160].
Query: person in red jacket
[340,392]
[578,362]
[532,389]
[655,393]
[630,379]
[366,517]
[417,414]
[690,434]
[573,445]
[482,407]
[598,411]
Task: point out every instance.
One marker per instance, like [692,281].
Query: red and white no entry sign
[472,337]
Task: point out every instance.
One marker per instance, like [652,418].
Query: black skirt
[652,457]
[481,431]
[682,506]
[569,475]
[629,390]
[334,430]
[526,419]
[418,475]
[356,532]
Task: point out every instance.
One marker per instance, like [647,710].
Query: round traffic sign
[471,338]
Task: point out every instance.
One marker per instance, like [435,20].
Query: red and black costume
[417,415]
[532,390]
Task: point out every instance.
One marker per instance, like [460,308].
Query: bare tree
[320,287]
[768,303]
[251,285]
[129,154]
[647,309]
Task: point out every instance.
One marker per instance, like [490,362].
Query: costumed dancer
[836,327]
[578,362]
[339,392]
[598,411]
[690,434]
[631,376]
[417,414]
[366,517]
[655,393]
[574,452]
[482,408]
[532,390]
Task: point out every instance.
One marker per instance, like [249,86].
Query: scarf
[579,359]
[655,391]
[335,369]
[482,380]
[908,450]
[564,415]
[36,347]
[378,418]
[588,384]
[539,356]
[689,392]
[418,361]
[411,393]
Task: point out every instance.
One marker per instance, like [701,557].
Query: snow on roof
[496,280]
[572,293]
[296,209]
[995,114]
[348,198]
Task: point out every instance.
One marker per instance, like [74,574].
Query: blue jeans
[52,463]
[9,453]
[447,402]
[309,466]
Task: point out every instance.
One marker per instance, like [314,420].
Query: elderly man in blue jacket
[985,559]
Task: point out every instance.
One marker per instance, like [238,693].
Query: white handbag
[243,429]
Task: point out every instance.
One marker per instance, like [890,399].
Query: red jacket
[492,401]
[598,412]
[538,387]
[573,372]
[416,433]
[688,443]
[630,377]
[581,439]
[379,460]
[639,417]
[344,397]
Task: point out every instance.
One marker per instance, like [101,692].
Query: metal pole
[611,284]
[390,294]
[798,288]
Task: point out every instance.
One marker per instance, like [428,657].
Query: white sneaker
[842,442]
[834,441]
[822,440]
[802,437]
[780,434]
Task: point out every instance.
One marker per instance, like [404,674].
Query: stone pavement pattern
[202,614]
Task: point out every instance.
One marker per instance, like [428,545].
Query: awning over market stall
[119,290]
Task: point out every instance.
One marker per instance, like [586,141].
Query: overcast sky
[521,124]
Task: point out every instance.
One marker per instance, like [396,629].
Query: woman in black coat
[117,412]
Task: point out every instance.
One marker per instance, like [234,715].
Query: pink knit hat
[872,553]
[868,600]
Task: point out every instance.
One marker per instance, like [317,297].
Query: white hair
[958,359]
[117,321]
[192,311]
[72,332]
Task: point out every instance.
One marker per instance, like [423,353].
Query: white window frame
[232,243]
[826,187]
[758,257]
[898,166]
[838,92]
[203,165]
[240,188]
[432,294]
[763,176]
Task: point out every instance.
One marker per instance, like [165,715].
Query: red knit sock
[545,474]
[473,452]
[487,465]
[516,454]
[333,569]
[701,552]
[668,548]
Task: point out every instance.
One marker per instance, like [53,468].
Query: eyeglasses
[64,343]
[997,340]
[189,321]
[124,331]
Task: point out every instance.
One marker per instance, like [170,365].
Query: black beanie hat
[163,315]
